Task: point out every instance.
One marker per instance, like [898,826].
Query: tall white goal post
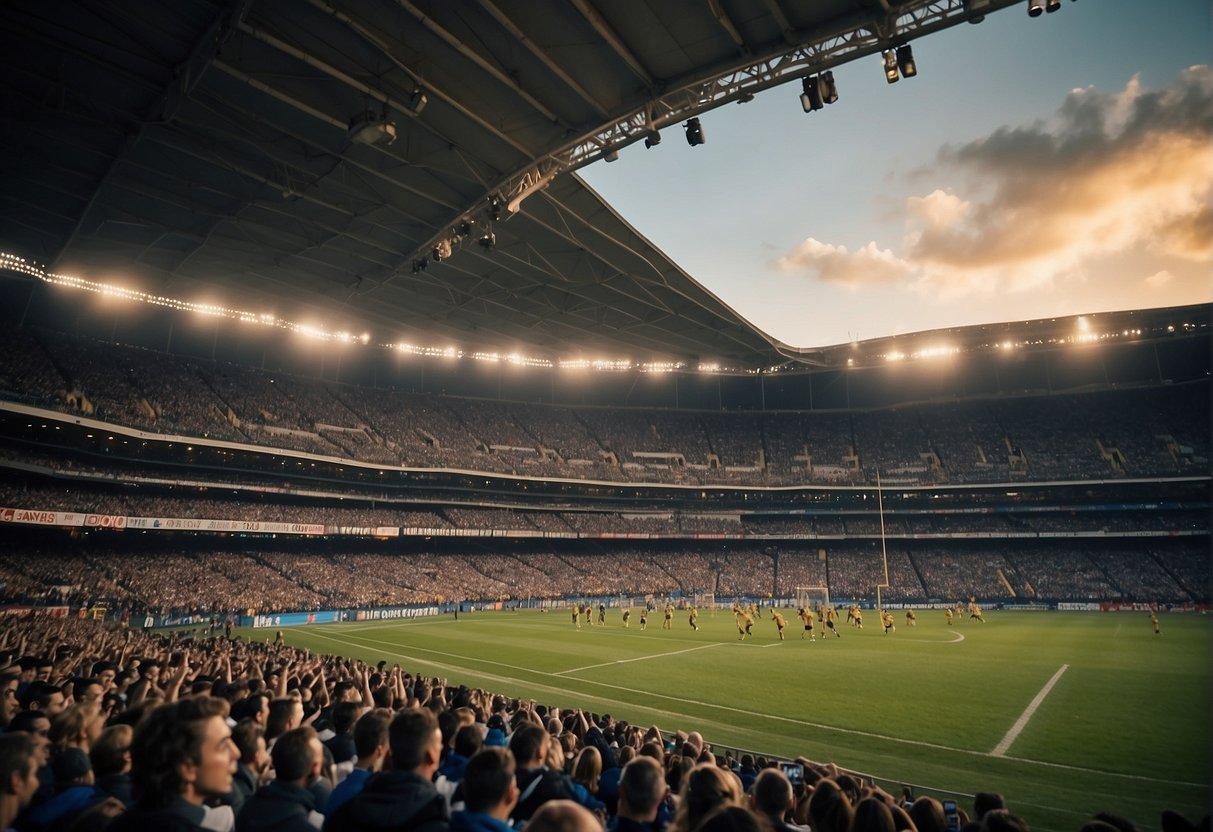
[812,597]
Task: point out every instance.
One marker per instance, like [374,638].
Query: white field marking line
[564,691]
[765,646]
[637,659]
[1000,750]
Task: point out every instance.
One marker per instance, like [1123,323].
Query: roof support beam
[604,30]
[542,56]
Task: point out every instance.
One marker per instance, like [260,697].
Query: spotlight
[810,98]
[442,250]
[827,87]
[464,228]
[417,102]
[610,155]
[694,132]
[488,240]
[420,265]
[976,10]
[1052,5]
[1035,7]
[652,139]
[495,207]
[905,61]
[890,66]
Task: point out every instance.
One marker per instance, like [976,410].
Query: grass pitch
[1124,726]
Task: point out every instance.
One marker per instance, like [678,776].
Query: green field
[1125,727]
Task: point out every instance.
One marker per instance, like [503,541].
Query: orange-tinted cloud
[1111,174]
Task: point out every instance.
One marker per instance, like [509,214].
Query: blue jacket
[347,790]
[478,822]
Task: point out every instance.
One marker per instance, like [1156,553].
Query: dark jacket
[179,817]
[342,747]
[536,786]
[277,807]
[244,786]
[119,786]
[478,822]
[392,800]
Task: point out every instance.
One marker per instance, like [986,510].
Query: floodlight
[417,101]
[1035,8]
[464,228]
[610,155]
[370,127]
[495,207]
[420,265]
[810,98]
[976,10]
[694,132]
[1052,5]
[442,250]
[487,240]
[827,87]
[890,66]
[905,61]
[652,139]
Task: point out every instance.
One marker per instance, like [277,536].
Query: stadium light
[652,139]
[905,61]
[890,66]
[1052,5]
[694,132]
[810,98]
[827,87]
[1036,8]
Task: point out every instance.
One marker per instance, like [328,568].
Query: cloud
[1159,279]
[1033,205]
[834,264]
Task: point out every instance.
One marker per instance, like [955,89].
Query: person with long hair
[705,789]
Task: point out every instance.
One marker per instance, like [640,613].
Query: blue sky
[1035,167]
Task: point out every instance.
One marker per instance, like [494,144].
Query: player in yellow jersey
[1154,622]
[886,619]
[668,623]
[832,621]
[693,618]
[577,616]
[975,612]
[911,619]
[627,617]
[806,615]
[858,615]
[948,615]
[780,623]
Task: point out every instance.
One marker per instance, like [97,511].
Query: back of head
[829,808]
[642,785]
[16,757]
[345,714]
[487,778]
[411,733]
[985,802]
[872,815]
[771,792]
[526,744]
[371,731]
[108,753]
[468,740]
[1000,820]
[705,789]
[563,816]
[927,814]
[294,753]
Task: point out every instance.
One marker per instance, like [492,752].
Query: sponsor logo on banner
[105,521]
[36,517]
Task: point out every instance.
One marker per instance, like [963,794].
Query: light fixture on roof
[890,66]
[652,139]
[495,208]
[610,155]
[370,127]
[1036,8]
[810,96]
[827,87]
[442,250]
[977,10]
[417,101]
[420,265]
[487,240]
[464,228]
[905,61]
[694,132]
[1052,5]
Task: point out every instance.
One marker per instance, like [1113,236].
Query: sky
[1035,167]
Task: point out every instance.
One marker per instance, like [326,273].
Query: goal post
[812,597]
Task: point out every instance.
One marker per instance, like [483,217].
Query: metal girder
[843,39]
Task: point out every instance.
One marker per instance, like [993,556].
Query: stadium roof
[238,151]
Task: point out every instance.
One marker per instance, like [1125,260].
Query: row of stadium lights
[11,262]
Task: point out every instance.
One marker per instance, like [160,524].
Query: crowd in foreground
[121,730]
